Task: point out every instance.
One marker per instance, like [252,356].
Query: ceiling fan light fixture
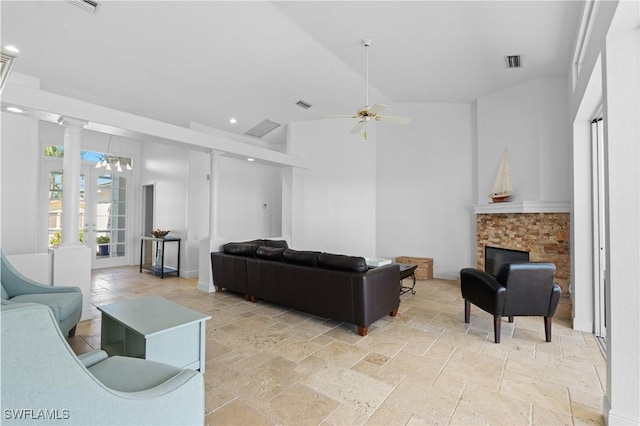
[369,112]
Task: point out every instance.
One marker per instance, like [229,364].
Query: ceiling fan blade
[358,127]
[376,108]
[395,120]
[338,116]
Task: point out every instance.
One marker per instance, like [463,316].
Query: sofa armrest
[376,293]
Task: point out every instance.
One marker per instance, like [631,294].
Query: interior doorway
[148,208]
[599,230]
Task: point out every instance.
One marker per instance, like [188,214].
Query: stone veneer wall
[544,235]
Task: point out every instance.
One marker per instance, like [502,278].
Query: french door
[104,216]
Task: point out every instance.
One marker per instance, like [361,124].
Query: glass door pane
[111,209]
[54,206]
[102,211]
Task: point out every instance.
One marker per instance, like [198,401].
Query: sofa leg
[510,319]
[219,289]
[547,328]
[253,299]
[467,311]
[363,330]
[72,332]
[394,312]
[496,328]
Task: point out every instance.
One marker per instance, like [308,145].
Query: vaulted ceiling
[208,61]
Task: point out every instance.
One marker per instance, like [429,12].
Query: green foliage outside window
[56,238]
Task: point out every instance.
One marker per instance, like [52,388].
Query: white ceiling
[207,61]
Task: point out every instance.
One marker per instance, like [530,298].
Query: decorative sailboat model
[502,188]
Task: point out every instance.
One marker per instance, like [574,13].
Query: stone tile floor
[269,365]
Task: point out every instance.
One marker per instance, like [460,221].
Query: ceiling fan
[369,113]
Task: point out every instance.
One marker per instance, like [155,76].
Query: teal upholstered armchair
[65,302]
[44,382]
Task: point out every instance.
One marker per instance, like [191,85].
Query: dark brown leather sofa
[323,284]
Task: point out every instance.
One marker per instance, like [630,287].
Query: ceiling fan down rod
[366,43]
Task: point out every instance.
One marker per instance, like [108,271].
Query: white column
[213,241]
[213,198]
[71,179]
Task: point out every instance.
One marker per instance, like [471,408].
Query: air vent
[514,61]
[303,104]
[86,5]
[262,128]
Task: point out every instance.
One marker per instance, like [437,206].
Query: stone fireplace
[542,229]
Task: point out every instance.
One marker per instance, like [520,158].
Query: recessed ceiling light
[251,159]
[12,49]
[15,109]
[233,120]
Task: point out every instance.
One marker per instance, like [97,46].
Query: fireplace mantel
[523,207]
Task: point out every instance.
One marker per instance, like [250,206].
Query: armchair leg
[510,319]
[496,328]
[72,332]
[467,311]
[547,328]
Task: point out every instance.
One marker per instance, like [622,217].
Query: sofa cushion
[276,243]
[342,262]
[301,257]
[241,249]
[270,253]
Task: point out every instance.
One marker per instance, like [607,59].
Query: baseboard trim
[583,325]
[202,286]
[446,276]
[615,419]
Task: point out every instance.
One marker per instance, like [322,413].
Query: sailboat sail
[502,185]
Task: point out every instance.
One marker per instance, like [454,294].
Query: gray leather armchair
[44,382]
[65,302]
[520,289]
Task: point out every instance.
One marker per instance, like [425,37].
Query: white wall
[250,199]
[166,167]
[614,39]
[338,211]
[20,165]
[425,186]
[530,120]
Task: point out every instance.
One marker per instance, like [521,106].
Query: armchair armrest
[483,290]
[556,292]
[27,287]
[92,357]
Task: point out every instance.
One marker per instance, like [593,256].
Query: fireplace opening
[495,257]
